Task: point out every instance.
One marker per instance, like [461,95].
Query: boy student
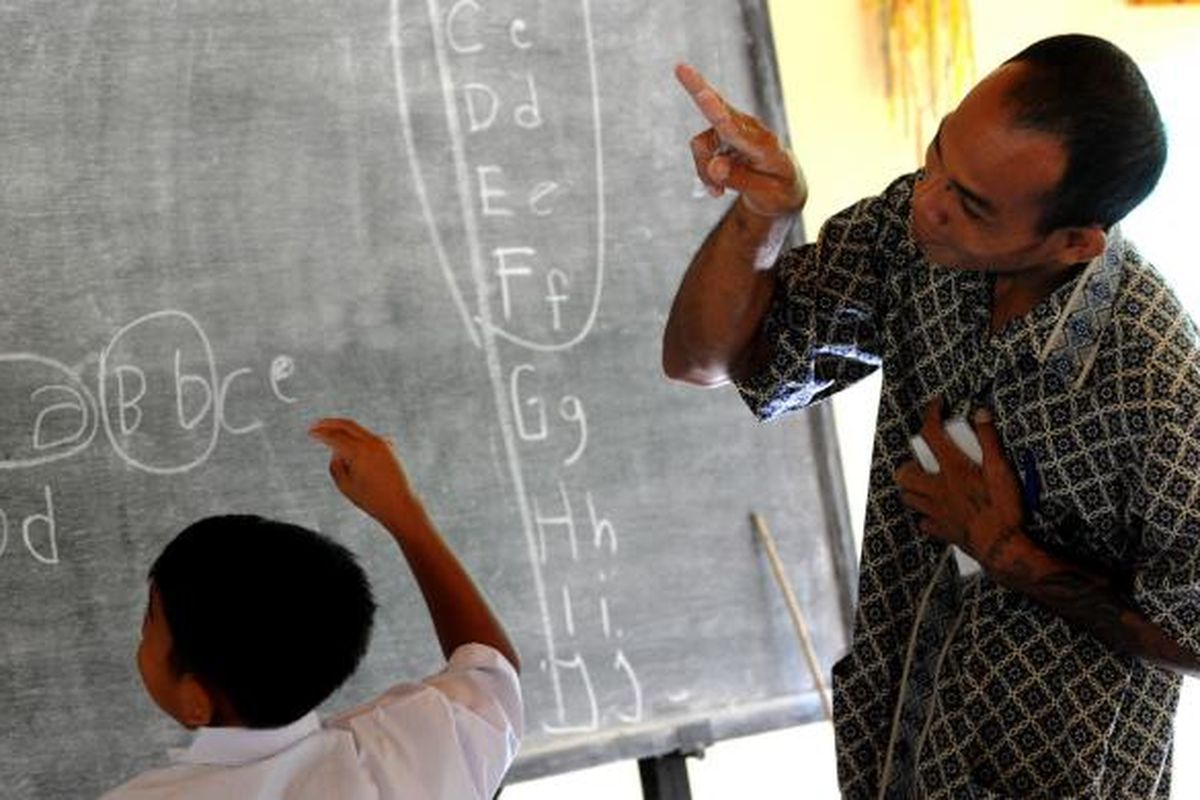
[251,623]
[994,278]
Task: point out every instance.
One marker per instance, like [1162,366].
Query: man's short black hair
[272,616]
[1091,95]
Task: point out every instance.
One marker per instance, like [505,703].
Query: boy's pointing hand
[364,468]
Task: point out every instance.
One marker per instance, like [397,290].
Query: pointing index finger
[728,122]
[700,89]
[338,432]
[711,105]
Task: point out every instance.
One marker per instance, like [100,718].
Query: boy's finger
[331,436]
[341,423]
[340,426]
[324,435]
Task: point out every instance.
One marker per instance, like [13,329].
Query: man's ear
[196,703]
[1080,245]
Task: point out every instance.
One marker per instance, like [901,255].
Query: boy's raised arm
[368,473]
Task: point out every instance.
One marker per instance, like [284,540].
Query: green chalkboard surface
[458,221]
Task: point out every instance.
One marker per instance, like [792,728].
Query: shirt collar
[235,746]
[1071,348]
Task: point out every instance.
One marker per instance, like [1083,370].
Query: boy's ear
[196,703]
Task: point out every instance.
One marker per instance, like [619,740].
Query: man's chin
[930,252]
[942,257]
[937,256]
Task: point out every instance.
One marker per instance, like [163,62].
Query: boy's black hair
[272,616]
[1091,95]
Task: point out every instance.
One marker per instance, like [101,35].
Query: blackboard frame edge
[665,777]
[665,747]
[830,476]
[685,735]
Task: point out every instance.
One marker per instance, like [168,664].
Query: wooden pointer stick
[797,615]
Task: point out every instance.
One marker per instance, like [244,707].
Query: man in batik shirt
[992,284]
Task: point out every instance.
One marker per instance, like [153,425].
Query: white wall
[849,147]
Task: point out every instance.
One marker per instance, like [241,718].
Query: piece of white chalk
[924,455]
[963,435]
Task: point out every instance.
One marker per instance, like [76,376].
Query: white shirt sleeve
[462,726]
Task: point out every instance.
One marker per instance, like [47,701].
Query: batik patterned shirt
[955,687]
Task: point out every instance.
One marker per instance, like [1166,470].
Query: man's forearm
[1090,602]
[723,297]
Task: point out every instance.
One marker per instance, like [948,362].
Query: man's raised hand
[738,152]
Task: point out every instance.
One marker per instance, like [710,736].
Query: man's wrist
[763,234]
[1010,556]
[749,215]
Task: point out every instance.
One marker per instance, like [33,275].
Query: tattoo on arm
[1087,600]
[1092,603]
[997,553]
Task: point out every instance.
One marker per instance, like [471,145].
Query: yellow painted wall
[830,60]
[850,146]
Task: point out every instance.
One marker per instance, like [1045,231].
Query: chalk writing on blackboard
[535,299]
[256,213]
[161,399]
[66,413]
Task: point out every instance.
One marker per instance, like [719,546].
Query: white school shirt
[451,736]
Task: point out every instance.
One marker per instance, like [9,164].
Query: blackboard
[459,222]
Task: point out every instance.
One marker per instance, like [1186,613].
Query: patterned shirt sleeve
[825,316]
[1166,504]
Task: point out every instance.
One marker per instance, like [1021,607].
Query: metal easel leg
[665,777]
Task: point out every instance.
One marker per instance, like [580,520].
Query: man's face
[979,203]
